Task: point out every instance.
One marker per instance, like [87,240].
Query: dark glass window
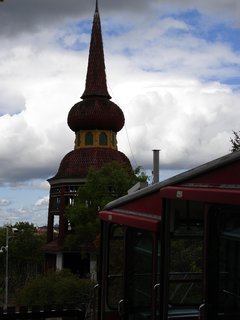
[115,266]
[139,271]
[132,286]
[229,264]
[103,140]
[186,254]
[89,138]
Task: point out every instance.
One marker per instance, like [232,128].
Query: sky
[172,66]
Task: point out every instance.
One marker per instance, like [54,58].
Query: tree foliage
[110,182]
[235,141]
[25,255]
[57,288]
[26,245]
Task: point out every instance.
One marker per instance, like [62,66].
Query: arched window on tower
[103,139]
[88,138]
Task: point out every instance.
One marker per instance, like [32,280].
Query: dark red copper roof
[96,113]
[96,77]
[77,162]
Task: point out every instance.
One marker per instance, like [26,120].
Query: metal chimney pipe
[156,166]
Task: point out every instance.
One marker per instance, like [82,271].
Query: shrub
[58,288]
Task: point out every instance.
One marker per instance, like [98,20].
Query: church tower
[95,121]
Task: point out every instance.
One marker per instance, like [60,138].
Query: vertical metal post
[6,279]
[155,166]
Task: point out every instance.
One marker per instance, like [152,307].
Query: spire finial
[96,9]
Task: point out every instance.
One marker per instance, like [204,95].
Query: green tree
[25,255]
[57,288]
[235,141]
[110,182]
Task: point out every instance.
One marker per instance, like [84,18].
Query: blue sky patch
[203,27]
[77,45]
[113,29]
[110,29]
[224,33]
[191,17]
[233,82]
[70,37]
[82,26]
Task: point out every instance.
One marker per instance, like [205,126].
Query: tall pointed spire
[96,84]
[96,10]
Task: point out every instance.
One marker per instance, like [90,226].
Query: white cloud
[42,202]
[39,184]
[153,49]
[4,202]
[190,122]
[34,140]
[36,215]
[11,102]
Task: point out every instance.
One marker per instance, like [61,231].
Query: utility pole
[6,280]
[5,248]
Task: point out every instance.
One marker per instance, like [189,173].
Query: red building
[95,120]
